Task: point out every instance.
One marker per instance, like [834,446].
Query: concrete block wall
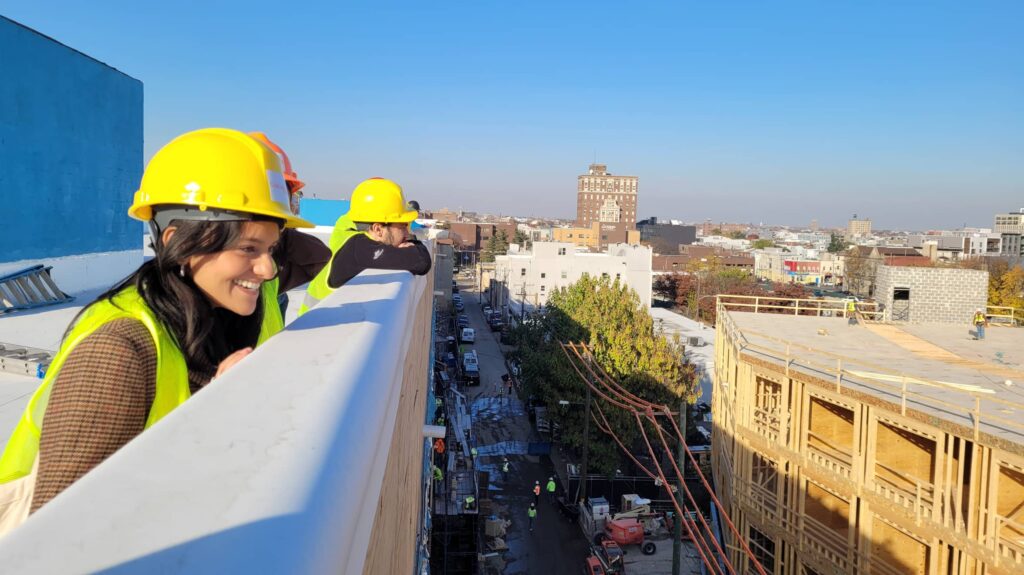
[937,295]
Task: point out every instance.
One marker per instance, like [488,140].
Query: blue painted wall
[322,212]
[70,150]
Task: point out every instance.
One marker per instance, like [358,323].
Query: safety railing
[976,407]
[798,306]
[306,457]
[904,490]
[1005,315]
[831,457]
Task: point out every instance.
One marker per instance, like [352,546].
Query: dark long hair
[204,334]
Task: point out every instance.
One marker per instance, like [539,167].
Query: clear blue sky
[909,113]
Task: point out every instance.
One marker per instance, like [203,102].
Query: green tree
[737,235]
[762,244]
[522,239]
[607,316]
[496,245]
[837,244]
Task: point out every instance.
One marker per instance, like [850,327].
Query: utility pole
[677,545]
[522,305]
[586,439]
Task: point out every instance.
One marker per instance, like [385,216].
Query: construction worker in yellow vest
[374,234]
[851,312]
[216,202]
[551,488]
[980,323]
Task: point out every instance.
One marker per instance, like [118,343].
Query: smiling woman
[217,205]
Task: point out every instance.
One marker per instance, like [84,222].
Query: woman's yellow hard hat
[219,170]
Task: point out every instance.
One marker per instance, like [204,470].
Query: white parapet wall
[304,458]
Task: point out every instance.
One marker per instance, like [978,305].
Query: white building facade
[532,276]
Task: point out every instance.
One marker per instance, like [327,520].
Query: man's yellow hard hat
[216,170]
[379,201]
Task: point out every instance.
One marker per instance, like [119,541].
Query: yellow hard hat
[379,201]
[216,170]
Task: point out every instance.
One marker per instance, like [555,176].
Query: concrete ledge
[277,467]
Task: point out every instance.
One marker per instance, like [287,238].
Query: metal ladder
[24,360]
[29,288]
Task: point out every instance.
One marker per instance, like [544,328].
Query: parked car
[497,325]
[459,306]
[471,368]
[468,335]
[487,310]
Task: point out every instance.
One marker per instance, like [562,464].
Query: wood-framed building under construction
[872,448]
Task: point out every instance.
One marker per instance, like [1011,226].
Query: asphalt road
[502,428]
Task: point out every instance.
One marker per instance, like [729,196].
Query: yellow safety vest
[979,318]
[273,321]
[171,378]
[318,288]
[852,306]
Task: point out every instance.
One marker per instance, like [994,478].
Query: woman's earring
[181,270]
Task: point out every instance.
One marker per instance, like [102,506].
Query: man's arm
[299,258]
[361,253]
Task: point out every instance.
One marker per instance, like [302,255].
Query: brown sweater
[102,396]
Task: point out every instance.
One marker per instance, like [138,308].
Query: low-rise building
[596,237]
[531,276]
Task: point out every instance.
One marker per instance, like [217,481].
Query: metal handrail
[1015,316]
[762,303]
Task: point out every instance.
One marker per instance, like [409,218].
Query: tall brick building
[602,197]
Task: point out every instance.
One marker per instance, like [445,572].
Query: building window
[604,275]
[561,252]
[564,275]
[543,275]
[618,276]
[541,289]
[522,271]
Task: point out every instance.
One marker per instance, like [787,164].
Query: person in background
[299,257]
[980,323]
[375,236]
[216,203]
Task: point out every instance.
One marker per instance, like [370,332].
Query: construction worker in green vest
[438,474]
[374,234]
[551,488]
[470,503]
[472,453]
[532,514]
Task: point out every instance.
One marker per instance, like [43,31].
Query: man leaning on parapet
[374,234]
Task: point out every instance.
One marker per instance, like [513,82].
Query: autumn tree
[1010,291]
[608,316]
[762,244]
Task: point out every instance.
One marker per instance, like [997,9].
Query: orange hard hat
[294,183]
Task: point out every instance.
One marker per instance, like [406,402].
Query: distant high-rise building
[602,197]
[858,228]
[814,225]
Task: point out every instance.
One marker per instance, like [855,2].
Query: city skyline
[907,114]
